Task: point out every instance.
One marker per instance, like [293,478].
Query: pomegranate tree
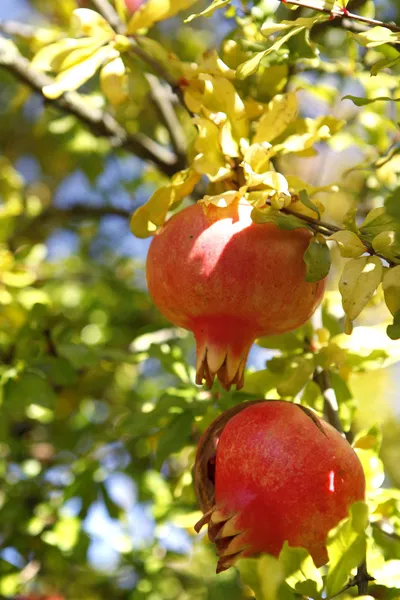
[267,472]
[213,271]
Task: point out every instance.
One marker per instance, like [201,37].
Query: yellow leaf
[91,24]
[147,218]
[280,112]
[153,11]
[391,289]
[308,132]
[73,78]
[210,160]
[221,200]
[51,57]
[256,162]
[207,12]
[349,243]
[114,82]
[359,280]
[386,243]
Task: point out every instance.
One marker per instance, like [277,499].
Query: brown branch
[16,28]
[343,12]
[101,123]
[325,228]
[163,104]
[110,14]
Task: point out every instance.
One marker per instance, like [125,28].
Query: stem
[342,12]
[109,13]
[327,229]
[168,115]
[101,123]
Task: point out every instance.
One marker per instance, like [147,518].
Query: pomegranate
[213,271]
[271,471]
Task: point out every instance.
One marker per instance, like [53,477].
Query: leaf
[384,63]
[151,215]
[308,132]
[74,77]
[364,101]
[349,243]
[318,260]
[174,437]
[222,200]
[359,280]
[114,82]
[376,36]
[263,575]
[387,244]
[28,388]
[346,548]
[257,160]
[376,221]
[153,11]
[393,330]
[51,57]
[280,112]
[91,23]
[271,215]
[297,374]
[391,289]
[304,199]
[392,205]
[209,11]
[301,574]
[251,66]
[210,160]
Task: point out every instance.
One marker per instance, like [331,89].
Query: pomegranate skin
[229,280]
[280,474]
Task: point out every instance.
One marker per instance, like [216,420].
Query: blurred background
[99,407]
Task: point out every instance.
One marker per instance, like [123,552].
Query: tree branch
[159,95]
[343,12]
[16,28]
[101,123]
[109,13]
[328,229]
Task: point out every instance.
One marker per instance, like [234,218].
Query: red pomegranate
[215,272]
[267,472]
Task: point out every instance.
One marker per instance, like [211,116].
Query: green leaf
[364,101]
[263,575]
[376,36]
[28,388]
[251,66]
[387,244]
[318,260]
[392,205]
[301,574]
[174,437]
[305,199]
[297,373]
[346,547]
[393,330]
[271,215]
[391,289]
[209,11]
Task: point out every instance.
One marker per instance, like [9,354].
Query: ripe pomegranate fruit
[213,271]
[133,5]
[271,471]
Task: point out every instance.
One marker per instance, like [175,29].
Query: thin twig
[159,95]
[110,14]
[101,123]
[18,29]
[328,229]
[159,70]
[343,12]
